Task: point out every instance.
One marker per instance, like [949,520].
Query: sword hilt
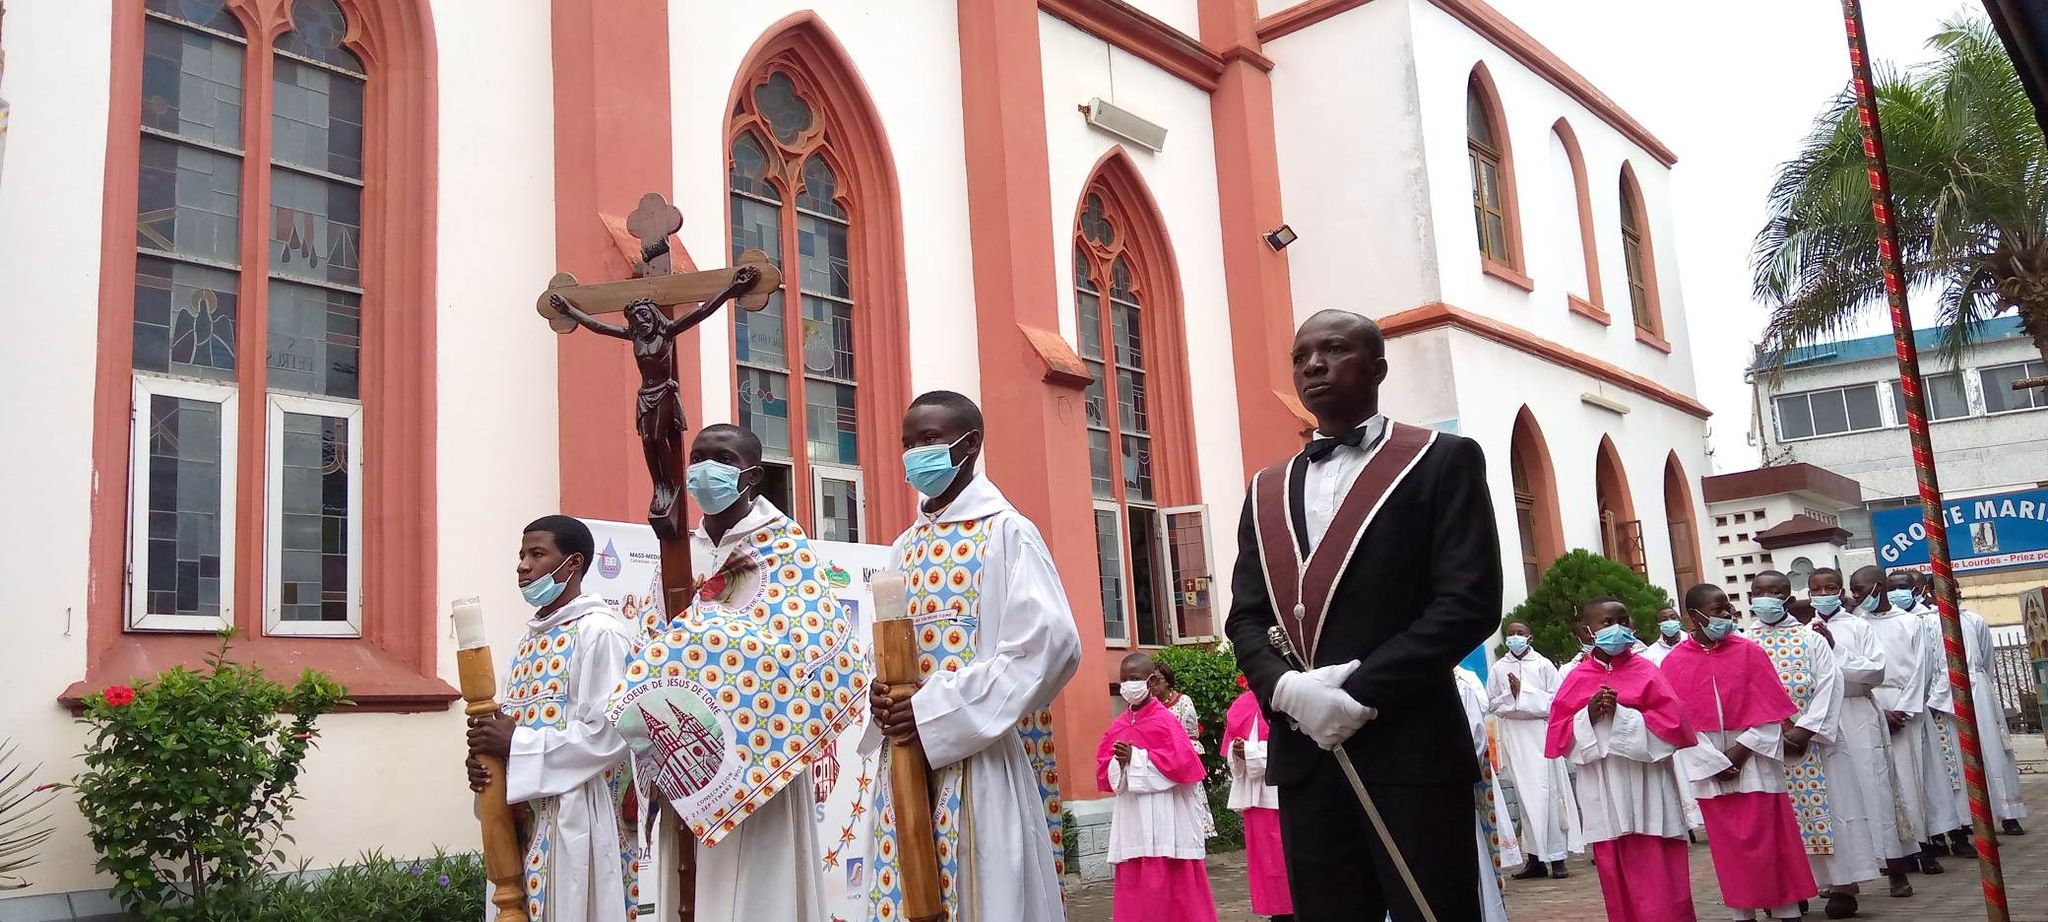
[1283,645]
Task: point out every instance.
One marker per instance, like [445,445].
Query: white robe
[1027,648]
[2001,768]
[1550,812]
[586,876]
[1492,904]
[1152,815]
[1855,853]
[769,869]
[1948,801]
[1248,787]
[1656,653]
[1625,780]
[1904,689]
[1861,753]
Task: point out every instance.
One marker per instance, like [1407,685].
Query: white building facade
[373,193]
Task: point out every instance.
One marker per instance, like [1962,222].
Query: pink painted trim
[1582,190]
[1527,443]
[1512,272]
[1439,314]
[1496,269]
[1145,36]
[1653,335]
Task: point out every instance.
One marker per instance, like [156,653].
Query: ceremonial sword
[1277,636]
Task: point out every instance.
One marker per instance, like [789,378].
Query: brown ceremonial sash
[1301,590]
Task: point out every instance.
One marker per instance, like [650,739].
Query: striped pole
[1992,876]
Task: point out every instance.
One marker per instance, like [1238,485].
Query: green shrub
[1208,676]
[189,781]
[1573,580]
[444,888]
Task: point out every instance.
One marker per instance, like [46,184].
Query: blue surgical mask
[1585,648]
[544,590]
[1767,609]
[1827,606]
[1517,643]
[930,469]
[1614,639]
[1869,604]
[1719,627]
[1901,599]
[715,485]
[1670,628]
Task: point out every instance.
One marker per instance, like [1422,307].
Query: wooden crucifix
[645,302]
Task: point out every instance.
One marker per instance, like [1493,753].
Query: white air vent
[1124,124]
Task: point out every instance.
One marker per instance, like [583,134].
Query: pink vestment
[1265,860]
[1753,835]
[1152,883]
[1637,684]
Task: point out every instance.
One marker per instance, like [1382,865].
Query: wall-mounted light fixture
[1279,237]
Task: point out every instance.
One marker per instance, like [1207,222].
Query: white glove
[1320,706]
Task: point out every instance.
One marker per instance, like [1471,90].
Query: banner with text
[1997,532]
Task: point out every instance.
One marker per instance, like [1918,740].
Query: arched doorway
[1621,533]
[1678,520]
[1537,525]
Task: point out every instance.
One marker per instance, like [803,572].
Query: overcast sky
[1732,87]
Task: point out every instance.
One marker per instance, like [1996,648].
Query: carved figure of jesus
[658,414]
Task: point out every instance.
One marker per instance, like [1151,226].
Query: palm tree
[1969,174]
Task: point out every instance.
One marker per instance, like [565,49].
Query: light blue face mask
[1901,599]
[544,590]
[930,469]
[1670,628]
[1827,606]
[715,485]
[1517,643]
[1719,627]
[1768,609]
[1869,604]
[1585,648]
[1615,639]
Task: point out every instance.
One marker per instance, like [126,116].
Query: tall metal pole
[1992,876]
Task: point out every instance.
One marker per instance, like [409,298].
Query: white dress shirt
[1330,479]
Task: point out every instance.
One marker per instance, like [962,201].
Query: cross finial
[652,222]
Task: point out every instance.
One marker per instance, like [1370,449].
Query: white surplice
[1941,753]
[1493,905]
[1026,649]
[1903,642]
[2001,768]
[1861,754]
[1153,816]
[1855,856]
[1625,780]
[1550,812]
[1656,652]
[769,869]
[586,873]
[1248,787]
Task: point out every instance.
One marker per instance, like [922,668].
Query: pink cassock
[1265,859]
[1753,835]
[1156,888]
[1637,684]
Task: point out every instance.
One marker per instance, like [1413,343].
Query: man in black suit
[1375,549]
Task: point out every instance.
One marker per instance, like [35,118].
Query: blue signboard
[1997,532]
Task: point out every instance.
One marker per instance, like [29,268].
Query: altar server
[1519,688]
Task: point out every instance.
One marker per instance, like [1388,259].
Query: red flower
[1242,682]
[119,696]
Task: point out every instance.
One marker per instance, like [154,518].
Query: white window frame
[1979,378]
[1172,580]
[1129,640]
[145,387]
[820,473]
[273,552]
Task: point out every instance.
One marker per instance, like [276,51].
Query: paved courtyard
[1950,896]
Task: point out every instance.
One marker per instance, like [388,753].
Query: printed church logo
[608,563]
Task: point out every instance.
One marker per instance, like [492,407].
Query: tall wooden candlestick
[504,854]
[909,775]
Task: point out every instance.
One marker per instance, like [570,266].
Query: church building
[273,267]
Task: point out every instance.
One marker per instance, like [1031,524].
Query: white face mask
[1134,691]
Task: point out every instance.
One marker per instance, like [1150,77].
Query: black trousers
[1338,869]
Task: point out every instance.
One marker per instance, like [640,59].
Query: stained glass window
[799,359]
[185,505]
[314,519]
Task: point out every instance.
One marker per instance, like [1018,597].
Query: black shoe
[1963,849]
[1803,907]
[2012,828]
[1557,871]
[1934,846]
[1843,905]
[1930,866]
[1534,870]
[1900,885]
[1689,840]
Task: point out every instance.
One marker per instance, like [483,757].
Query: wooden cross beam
[664,290]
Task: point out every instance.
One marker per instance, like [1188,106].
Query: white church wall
[1180,14]
[1445,53]
[917,98]
[1182,182]
[1353,178]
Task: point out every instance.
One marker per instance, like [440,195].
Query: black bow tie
[1320,448]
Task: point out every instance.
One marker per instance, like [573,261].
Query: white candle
[469,624]
[889,596]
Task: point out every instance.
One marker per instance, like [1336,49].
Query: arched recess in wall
[822,375]
[1496,209]
[1621,533]
[1592,303]
[1540,529]
[1678,520]
[1139,416]
[267,342]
